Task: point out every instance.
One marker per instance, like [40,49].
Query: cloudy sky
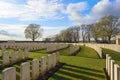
[52,15]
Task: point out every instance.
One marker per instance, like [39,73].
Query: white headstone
[43,65]
[107,61]
[5,57]
[116,72]
[20,57]
[112,70]
[25,71]
[109,65]
[13,56]
[9,74]
[26,54]
[49,62]
[35,69]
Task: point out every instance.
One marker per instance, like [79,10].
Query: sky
[52,15]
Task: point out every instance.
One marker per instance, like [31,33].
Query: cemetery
[59,61]
[60,40]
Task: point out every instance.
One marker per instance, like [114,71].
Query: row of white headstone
[35,46]
[55,47]
[110,46]
[74,49]
[15,56]
[30,46]
[45,65]
[113,69]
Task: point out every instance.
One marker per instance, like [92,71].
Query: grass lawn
[87,52]
[65,51]
[86,65]
[80,68]
[84,52]
[37,54]
[115,55]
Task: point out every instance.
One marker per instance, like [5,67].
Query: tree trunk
[89,37]
[109,39]
[96,40]
[33,40]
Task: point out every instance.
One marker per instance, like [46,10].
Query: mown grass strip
[80,68]
[87,52]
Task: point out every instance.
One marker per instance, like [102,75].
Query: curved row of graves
[74,50]
[110,46]
[39,68]
[55,47]
[95,47]
[112,69]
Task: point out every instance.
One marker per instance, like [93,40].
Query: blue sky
[52,15]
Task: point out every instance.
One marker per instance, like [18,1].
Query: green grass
[37,54]
[65,51]
[80,68]
[87,52]
[86,65]
[114,55]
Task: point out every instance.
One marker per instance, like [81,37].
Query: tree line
[102,31]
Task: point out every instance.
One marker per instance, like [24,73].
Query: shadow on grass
[76,72]
[51,72]
[18,74]
[79,67]
[83,72]
[39,50]
[0,61]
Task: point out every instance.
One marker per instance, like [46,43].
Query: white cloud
[31,10]
[74,11]
[102,8]
[16,32]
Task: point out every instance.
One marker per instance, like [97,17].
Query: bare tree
[109,26]
[33,31]
[88,32]
[95,32]
[75,33]
[83,30]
